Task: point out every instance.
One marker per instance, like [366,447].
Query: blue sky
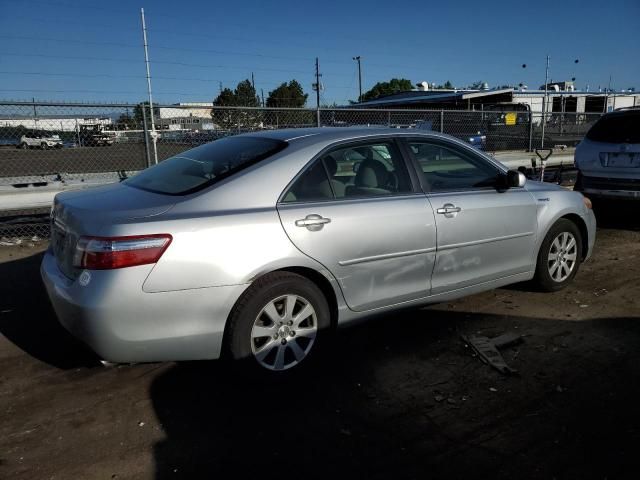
[92,51]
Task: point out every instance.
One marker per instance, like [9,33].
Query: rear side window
[357,170]
[205,165]
[623,127]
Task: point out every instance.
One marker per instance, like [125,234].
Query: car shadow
[402,397]
[29,322]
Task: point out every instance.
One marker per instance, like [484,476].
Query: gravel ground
[397,397]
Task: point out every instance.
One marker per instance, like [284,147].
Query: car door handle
[448,209]
[313,222]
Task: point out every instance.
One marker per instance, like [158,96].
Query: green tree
[126,122]
[287,95]
[245,95]
[223,117]
[226,98]
[382,89]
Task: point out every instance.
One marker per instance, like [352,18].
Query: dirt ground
[397,397]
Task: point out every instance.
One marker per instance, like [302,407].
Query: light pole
[546,101]
[546,96]
[357,59]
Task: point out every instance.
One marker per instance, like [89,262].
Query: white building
[182,110]
[60,123]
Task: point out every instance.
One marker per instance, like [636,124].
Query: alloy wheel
[284,332]
[562,257]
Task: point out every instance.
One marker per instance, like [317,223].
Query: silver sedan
[253,246]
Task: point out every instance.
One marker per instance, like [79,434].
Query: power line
[108,75]
[159,62]
[156,47]
[141,93]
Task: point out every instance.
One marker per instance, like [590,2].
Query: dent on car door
[483,233]
[356,211]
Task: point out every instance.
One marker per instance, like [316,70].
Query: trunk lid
[88,212]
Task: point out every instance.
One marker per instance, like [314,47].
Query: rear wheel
[277,323]
[24,145]
[43,146]
[559,256]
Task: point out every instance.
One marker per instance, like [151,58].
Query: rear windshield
[205,165]
[617,128]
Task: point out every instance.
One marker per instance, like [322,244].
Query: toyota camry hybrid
[252,246]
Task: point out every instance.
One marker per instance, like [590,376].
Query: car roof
[331,134]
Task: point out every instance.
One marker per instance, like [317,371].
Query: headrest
[372,174]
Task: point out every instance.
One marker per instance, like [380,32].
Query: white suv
[608,158]
[40,140]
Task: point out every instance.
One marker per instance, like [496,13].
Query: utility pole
[146,61]
[606,98]
[546,101]
[262,96]
[35,113]
[317,87]
[253,83]
[357,59]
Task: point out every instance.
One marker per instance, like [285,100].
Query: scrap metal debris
[487,349]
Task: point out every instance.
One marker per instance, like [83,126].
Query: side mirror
[515,179]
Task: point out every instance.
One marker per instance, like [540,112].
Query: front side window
[205,165]
[357,170]
[445,169]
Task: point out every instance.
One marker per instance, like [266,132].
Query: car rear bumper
[123,324]
[613,194]
[606,187]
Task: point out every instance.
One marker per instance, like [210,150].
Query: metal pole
[357,59]
[441,121]
[614,95]
[606,98]
[146,61]
[35,114]
[317,92]
[146,135]
[530,131]
[546,101]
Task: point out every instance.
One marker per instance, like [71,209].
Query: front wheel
[277,323]
[43,146]
[559,256]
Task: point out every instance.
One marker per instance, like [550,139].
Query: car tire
[276,324]
[24,146]
[559,256]
[43,146]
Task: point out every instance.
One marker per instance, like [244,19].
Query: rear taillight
[105,253]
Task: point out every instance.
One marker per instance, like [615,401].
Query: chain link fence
[49,147]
